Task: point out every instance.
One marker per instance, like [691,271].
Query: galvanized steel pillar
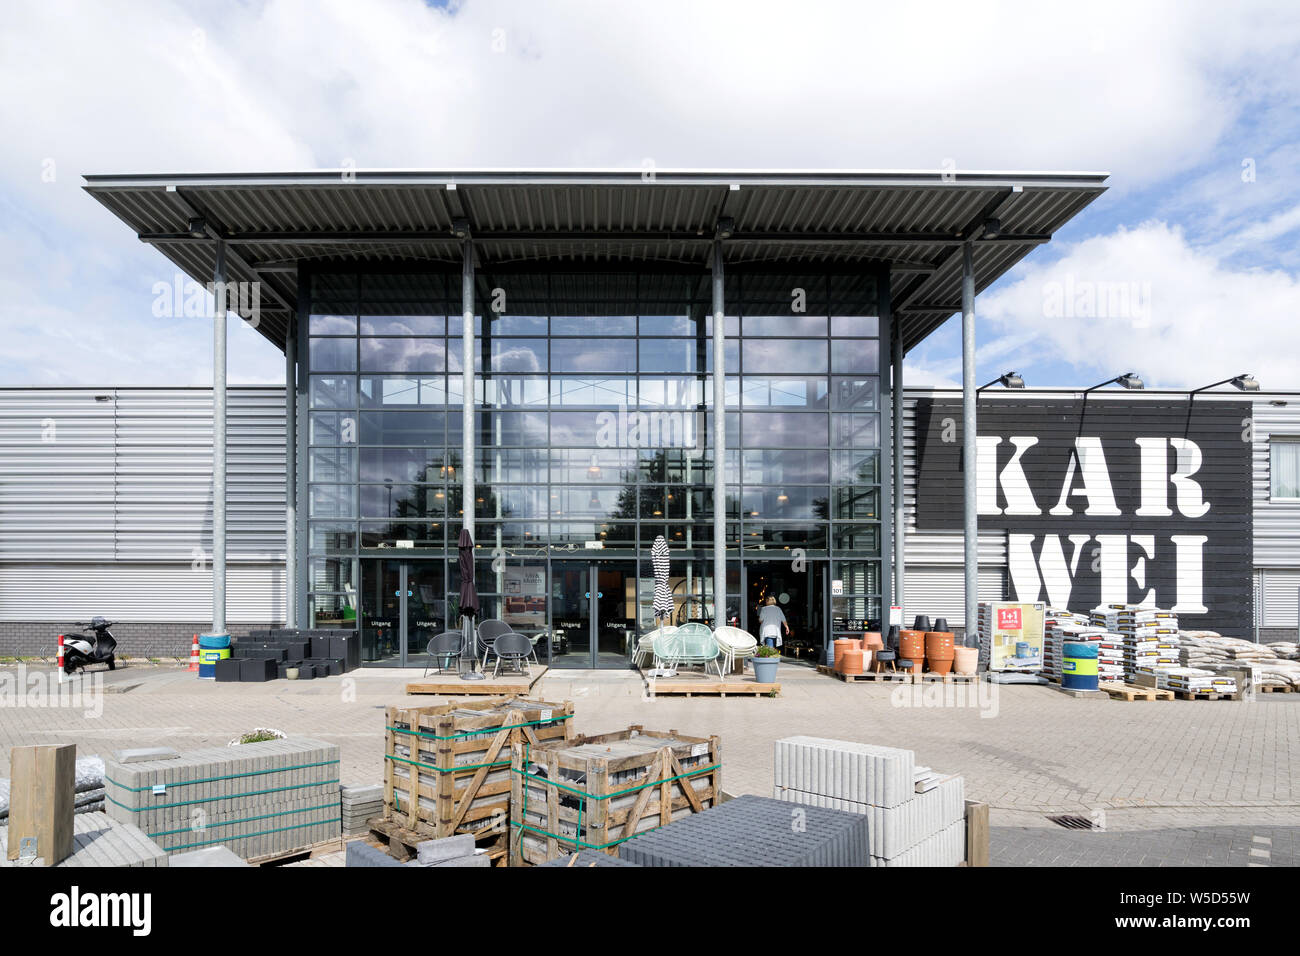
[219,442]
[897,355]
[719,443]
[290,475]
[467,385]
[970,476]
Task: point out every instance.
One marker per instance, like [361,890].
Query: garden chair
[737,645]
[443,649]
[488,631]
[645,648]
[689,644]
[514,649]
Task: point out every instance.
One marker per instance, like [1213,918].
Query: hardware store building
[579,413]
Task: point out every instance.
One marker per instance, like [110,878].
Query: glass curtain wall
[593,399]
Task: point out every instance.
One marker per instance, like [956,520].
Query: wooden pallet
[401,842]
[1275,688]
[461,755]
[596,792]
[305,853]
[949,678]
[1122,691]
[504,686]
[675,687]
[1205,695]
[869,677]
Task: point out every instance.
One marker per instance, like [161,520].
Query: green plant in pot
[765,661]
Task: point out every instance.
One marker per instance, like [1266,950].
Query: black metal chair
[443,649]
[487,633]
[513,648]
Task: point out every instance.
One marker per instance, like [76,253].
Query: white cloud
[1192,318]
[1144,90]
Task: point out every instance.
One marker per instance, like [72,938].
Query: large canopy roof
[915,222]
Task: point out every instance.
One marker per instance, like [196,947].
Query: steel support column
[467,385]
[719,443]
[970,477]
[291,476]
[897,405]
[219,442]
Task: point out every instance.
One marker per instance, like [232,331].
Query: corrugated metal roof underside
[822,220]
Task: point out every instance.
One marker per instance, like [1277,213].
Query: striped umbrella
[663,595]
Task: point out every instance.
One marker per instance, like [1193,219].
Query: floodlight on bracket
[460,228]
[725,228]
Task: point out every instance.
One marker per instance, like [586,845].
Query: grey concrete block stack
[259,799]
[359,804]
[917,817]
[100,841]
[756,831]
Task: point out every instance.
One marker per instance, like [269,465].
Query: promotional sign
[1143,501]
[1016,636]
[524,596]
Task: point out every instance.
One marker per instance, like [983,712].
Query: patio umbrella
[468,601]
[663,606]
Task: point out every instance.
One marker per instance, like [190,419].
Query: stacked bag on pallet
[1061,626]
[270,654]
[1149,634]
[1195,680]
[917,817]
[261,799]
[1271,665]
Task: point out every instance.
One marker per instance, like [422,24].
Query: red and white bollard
[194,654]
[61,674]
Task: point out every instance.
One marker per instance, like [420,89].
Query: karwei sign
[1122,502]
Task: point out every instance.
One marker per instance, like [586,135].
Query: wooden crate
[447,766]
[596,792]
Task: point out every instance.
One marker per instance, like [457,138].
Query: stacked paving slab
[918,817]
[270,654]
[263,799]
[359,804]
[98,840]
[755,831]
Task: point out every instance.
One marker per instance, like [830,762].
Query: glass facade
[593,397]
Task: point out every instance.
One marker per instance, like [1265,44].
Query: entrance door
[593,613]
[403,605]
[799,593]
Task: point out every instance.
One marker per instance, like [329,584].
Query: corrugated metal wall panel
[63,593]
[128,478]
[938,592]
[1277,523]
[1280,593]
[56,474]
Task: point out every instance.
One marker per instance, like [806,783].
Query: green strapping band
[231,823]
[577,843]
[229,776]
[478,733]
[293,826]
[429,766]
[229,796]
[617,793]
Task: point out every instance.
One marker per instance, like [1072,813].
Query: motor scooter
[81,650]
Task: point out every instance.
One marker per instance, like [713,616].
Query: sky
[1187,270]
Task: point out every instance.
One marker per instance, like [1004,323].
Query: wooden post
[977,834]
[41,800]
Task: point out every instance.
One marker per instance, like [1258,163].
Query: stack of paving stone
[270,654]
[918,817]
[260,800]
[359,805]
[98,840]
[755,831]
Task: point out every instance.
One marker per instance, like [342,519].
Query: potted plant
[765,661]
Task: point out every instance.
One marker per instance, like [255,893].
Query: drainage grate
[1072,822]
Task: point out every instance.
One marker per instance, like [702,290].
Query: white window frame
[1279,440]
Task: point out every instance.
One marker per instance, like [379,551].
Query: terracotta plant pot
[911,647]
[851,662]
[966,659]
[939,647]
[871,641]
[841,645]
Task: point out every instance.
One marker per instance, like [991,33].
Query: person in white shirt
[771,621]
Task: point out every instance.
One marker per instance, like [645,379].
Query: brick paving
[1174,767]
